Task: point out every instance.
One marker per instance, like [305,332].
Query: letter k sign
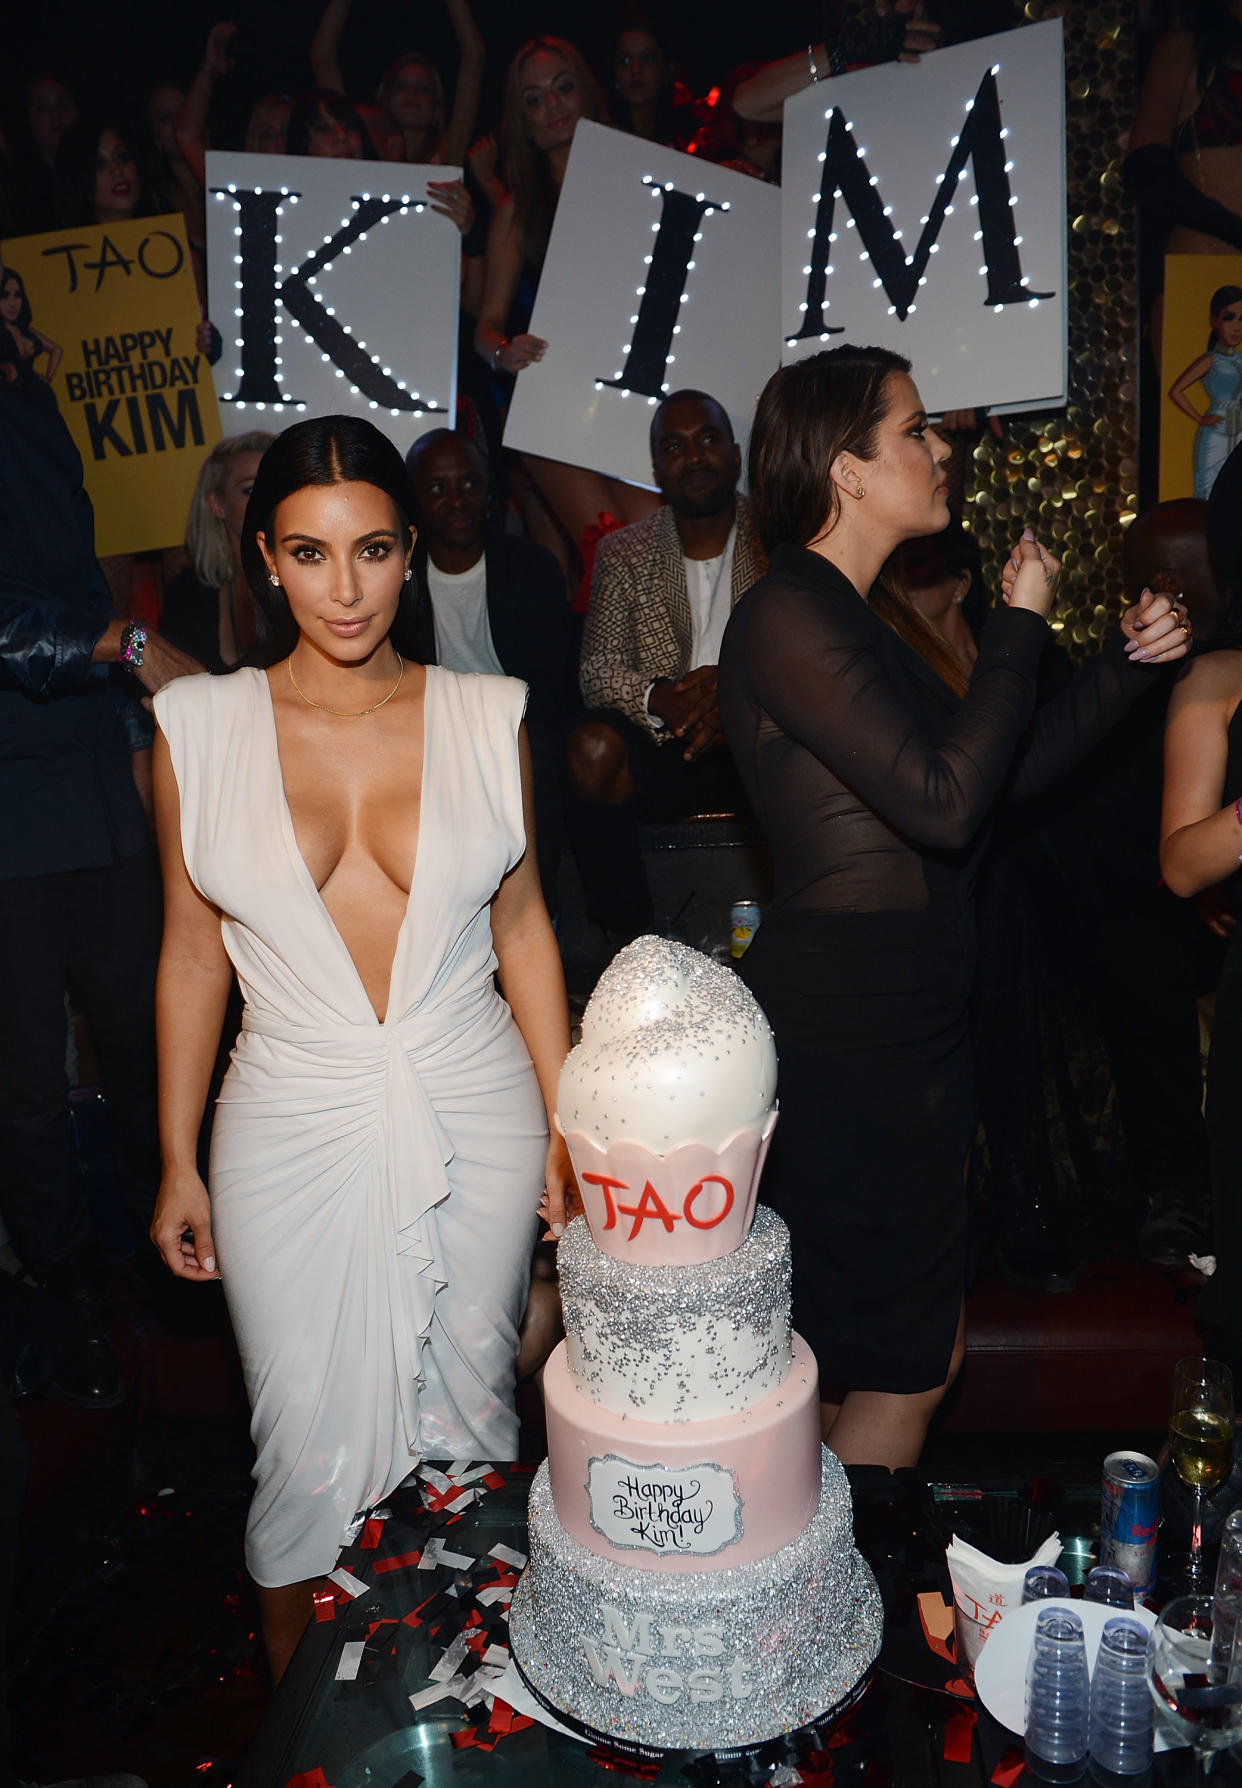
[261,288]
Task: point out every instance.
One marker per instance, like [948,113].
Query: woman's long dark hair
[808,413]
[322,450]
[77,158]
[669,127]
[307,107]
[1222,298]
[25,315]
[527,169]
[388,86]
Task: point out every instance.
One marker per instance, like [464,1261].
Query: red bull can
[1129,1518]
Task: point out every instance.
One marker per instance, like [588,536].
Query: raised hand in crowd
[325,47]
[411,88]
[216,58]
[878,34]
[192,139]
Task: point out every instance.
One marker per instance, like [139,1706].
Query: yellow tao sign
[110,313]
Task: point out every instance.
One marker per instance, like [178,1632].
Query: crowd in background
[610,601]
[72,155]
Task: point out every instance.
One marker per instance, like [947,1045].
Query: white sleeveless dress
[373,1186]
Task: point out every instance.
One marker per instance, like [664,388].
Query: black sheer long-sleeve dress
[874,782]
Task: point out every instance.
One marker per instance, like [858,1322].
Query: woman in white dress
[349,831]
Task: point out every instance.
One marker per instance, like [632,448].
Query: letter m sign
[929,186]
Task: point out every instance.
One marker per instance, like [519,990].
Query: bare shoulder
[1211,681]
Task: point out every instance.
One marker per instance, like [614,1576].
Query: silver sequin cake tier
[678,1343]
[703,1662]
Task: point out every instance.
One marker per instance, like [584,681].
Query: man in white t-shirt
[651,745]
[487,601]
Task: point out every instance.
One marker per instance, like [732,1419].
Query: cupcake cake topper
[668,1105]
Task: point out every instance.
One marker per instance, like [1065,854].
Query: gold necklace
[345,713]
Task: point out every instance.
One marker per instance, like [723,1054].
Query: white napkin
[985,1591]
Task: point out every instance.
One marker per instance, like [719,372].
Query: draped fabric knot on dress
[374,1185]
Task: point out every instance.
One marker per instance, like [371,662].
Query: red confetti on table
[404,1561]
[1009,1768]
[818,1767]
[310,1778]
[959,1734]
[325,1604]
[505,1719]
[494,1481]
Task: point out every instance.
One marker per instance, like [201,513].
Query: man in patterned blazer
[651,744]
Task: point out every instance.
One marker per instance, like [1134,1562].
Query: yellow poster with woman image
[1200,371]
[108,316]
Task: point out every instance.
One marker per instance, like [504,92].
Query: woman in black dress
[1201,849]
[207,608]
[873,767]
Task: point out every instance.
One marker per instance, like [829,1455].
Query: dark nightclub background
[111,52]
[1076,470]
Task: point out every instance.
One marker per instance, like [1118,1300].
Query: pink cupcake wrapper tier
[693,1204]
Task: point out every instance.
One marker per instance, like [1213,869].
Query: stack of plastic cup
[1227,1594]
[1122,1731]
[1058,1695]
[1107,1584]
[1043,1581]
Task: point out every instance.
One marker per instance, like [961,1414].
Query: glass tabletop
[418,1607]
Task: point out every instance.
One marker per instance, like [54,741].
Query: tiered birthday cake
[693,1581]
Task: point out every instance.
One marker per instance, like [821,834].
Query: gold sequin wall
[1072,474]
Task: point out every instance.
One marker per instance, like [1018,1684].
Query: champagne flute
[1195,1699]
[1201,1441]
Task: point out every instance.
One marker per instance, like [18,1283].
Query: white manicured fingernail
[209,1265]
[558,1229]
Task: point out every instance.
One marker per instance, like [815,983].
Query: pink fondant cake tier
[685,1496]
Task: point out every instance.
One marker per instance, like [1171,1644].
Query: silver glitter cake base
[724,1659]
